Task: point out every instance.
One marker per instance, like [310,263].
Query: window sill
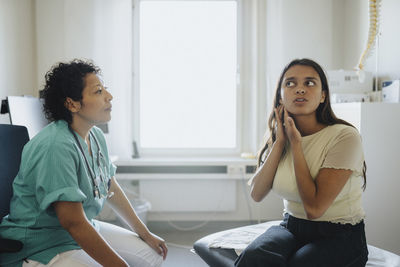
[181,161]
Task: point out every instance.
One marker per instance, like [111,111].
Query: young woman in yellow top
[315,162]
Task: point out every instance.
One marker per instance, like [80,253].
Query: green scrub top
[52,169]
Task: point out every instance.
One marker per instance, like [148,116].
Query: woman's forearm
[121,205]
[73,219]
[94,245]
[263,179]
[305,183]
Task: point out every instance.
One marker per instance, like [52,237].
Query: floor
[180,242]
[180,256]
[180,237]
[180,248]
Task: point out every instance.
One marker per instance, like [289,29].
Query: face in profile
[95,106]
[301,91]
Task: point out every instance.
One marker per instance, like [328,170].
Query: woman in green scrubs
[64,178]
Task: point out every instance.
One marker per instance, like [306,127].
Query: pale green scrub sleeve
[57,178]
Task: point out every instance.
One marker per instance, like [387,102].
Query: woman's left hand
[156,243]
[290,128]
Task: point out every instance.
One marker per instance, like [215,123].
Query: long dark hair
[325,114]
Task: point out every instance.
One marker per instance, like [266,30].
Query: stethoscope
[96,188]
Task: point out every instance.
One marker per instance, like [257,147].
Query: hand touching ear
[280,130]
[290,128]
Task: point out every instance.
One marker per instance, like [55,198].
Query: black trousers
[298,242]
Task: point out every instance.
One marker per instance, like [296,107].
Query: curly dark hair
[65,80]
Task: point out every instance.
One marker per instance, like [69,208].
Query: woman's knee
[250,252]
[256,256]
[145,257]
[155,261]
[246,258]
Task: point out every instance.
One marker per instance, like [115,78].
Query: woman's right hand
[280,129]
[156,243]
[264,177]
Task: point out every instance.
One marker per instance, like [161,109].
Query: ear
[280,101]
[71,105]
[323,95]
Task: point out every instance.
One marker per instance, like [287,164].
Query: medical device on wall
[391,91]
[345,86]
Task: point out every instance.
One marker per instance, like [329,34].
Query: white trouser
[127,244]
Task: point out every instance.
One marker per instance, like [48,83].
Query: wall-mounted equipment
[391,91]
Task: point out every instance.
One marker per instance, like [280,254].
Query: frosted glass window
[187,66]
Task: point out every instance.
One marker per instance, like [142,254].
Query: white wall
[62,34]
[17,50]
[302,29]
[97,30]
[389,41]
[356,33]
[306,29]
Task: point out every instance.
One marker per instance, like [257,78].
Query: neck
[308,125]
[81,127]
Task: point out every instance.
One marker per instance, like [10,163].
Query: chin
[300,110]
[103,120]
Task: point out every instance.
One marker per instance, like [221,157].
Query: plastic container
[141,207]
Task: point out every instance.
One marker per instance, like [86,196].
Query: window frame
[248,104]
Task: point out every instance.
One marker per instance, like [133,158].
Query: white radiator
[188,187]
[190,195]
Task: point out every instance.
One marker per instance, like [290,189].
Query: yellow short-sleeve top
[337,146]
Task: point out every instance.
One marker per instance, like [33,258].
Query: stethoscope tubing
[96,189]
